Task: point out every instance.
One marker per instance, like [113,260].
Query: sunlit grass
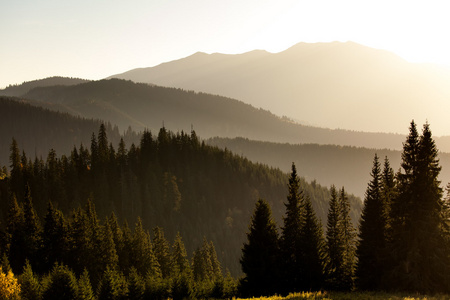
[351,296]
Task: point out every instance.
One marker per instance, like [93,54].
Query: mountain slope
[143,106]
[37,130]
[334,85]
[328,164]
[169,180]
[18,90]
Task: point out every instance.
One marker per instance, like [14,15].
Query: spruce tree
[15,235]
[136,285]
[217,274]
[61,284]
[340,258]
[313,251]
[348,243]
[161,248]
[113,285]
[291,243]
[32,231]
[388,192]
[142,255]
[260,254]
[419,249]
[180,262]
[30,286]
[55,238]
[372,237]
[85,291]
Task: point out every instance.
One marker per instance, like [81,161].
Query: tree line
[82,258]
[402,243]
[170,180]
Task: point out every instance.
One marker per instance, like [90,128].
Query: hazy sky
[94,39]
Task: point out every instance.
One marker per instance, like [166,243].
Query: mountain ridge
[126,103]
[312,82]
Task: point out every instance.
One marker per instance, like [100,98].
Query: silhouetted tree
[260,255]
[291,247]
[372,236]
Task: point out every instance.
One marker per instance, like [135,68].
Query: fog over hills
[333,85]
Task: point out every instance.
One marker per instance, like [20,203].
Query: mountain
[18,90]
[333,85]
[37,130]
[143,106]
[328,164]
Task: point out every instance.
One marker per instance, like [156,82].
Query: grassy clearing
[352,296]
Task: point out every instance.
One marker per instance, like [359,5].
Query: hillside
[143,106]
[333,85]
[38,130]
[18,90]
[169,180]
[328,164]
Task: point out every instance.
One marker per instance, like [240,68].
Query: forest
[63,215]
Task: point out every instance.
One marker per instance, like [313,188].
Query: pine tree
[313,250]
[113,285]
[136,285]
[85,291]
[80,242]
[260,254]
[15,228]
[61,284]
[372,236]
[334,268]
[161,249]
[55,238]
[201,263]
[16,166]
[291,241]
[418,245]
[216,268]
[32,228]
[348,242]
[108,253]
[388,190]
[179,256]
[30,287]
[142,254]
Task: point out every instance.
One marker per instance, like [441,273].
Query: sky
[93,39]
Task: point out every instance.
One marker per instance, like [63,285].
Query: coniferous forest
[113,224]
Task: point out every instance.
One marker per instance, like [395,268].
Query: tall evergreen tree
[62,284]
[142,254]
[55,238]
[180,262]
[372,237]
[348,242]
[419,247]
[15,235]
[291,241]
[388,191]
[313,251]
[85,291]
[260,254]
[30,286]
[161,248]
[113,285]
[334,267]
